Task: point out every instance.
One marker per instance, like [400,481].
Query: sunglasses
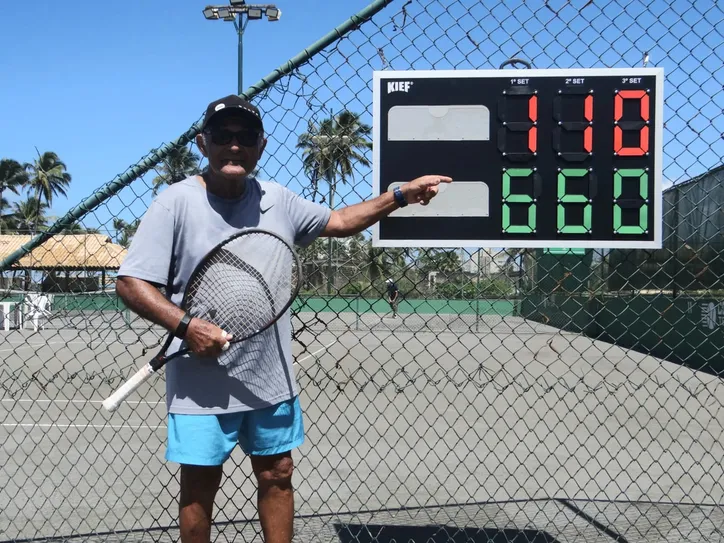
[246,137]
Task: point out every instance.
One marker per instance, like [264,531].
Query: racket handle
[114,400]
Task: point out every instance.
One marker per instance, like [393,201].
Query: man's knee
[199,483]
[274,470]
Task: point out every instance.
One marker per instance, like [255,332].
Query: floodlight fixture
[254,13]
[211,13]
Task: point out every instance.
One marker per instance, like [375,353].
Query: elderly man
[213,406]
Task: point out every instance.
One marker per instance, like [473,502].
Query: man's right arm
[146,265]
[143,298]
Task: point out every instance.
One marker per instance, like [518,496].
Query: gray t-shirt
[183,224]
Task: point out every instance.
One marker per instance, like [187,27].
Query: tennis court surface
[517,429]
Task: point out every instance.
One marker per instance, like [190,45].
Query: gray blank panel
[457,199]
[438,123]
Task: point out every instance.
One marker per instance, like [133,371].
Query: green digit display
[509,198]
[565,198]
[618,226]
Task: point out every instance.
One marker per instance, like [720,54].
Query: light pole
[253,12]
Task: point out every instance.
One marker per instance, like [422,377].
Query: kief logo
[398,86]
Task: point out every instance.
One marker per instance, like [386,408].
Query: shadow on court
[369,533]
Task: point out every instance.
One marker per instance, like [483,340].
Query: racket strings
[244,285]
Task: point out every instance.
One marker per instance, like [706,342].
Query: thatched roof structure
[65,251]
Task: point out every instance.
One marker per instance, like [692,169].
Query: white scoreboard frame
[411,75]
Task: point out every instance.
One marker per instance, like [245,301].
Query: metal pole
[329,245]
[478,293]
[359,294]
[240,67]
[677,243]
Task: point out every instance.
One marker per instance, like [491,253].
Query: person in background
[393,295]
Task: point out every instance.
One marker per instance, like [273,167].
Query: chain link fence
[517,396]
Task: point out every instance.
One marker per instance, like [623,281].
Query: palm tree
[355,250]
[127,231]
[6,219]
[330,152]
[377,263]
[12,177]
[119,225]
[384,262]
[179,164]
[444,262]
[29,215]
[317,159]
[48,177]
[331,149]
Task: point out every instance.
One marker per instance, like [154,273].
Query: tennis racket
[243,285]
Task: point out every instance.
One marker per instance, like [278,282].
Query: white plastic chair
[37,305]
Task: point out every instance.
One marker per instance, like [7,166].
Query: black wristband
[182,326]
[399,197]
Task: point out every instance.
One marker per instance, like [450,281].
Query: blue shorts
[208,440]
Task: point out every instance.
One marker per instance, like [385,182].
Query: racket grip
[114,400]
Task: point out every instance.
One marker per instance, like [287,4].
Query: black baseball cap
[232,104]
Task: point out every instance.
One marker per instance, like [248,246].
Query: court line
[27,345]
[46,343]
[55,425]
[315,352]
[30,400]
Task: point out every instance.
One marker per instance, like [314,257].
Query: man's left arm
[358,217]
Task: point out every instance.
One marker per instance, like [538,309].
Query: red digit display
[518,132]
[573,134]
[642,125]
[533,116]
[588,132]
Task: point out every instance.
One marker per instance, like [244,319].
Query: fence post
[356,320]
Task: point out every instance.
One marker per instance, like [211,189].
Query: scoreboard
[539,158]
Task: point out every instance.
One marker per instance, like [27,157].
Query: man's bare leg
[275,496]
[199,485]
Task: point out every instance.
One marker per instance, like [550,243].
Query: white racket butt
[114,400]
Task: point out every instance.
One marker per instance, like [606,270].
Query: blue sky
[103,83]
